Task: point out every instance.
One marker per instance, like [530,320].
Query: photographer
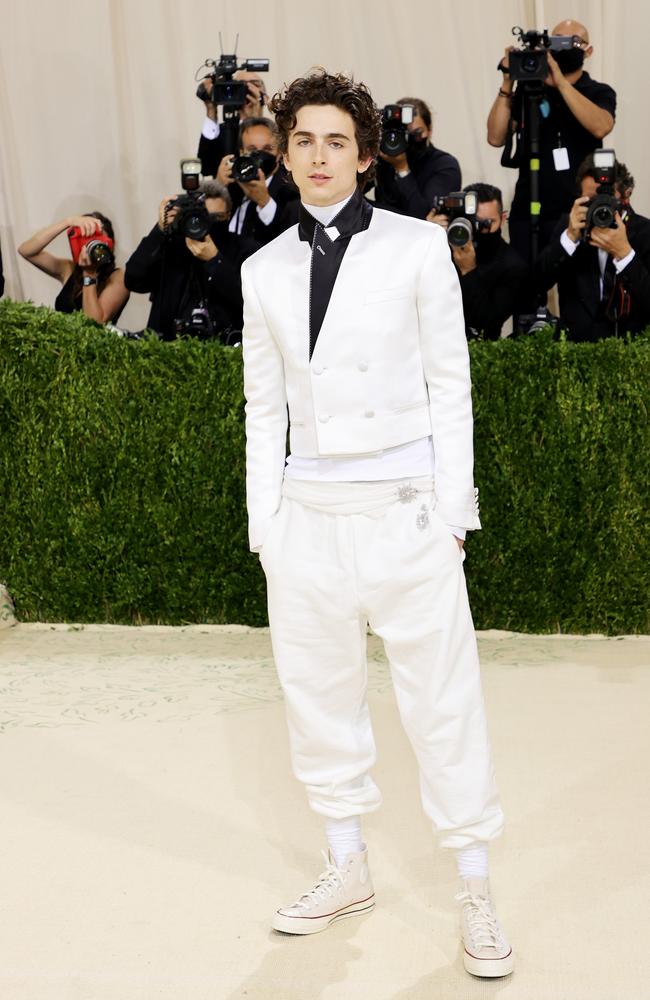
[91,281]
[212,144]
[491,272]
[407,183]
[575,113]
[260,206]
[194,285]
[602,273]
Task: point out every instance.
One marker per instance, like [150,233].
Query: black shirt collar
[353,218]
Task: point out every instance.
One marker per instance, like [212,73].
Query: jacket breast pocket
[389,294]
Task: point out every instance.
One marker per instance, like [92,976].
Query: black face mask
[487,244]
[569,60]
[218,228]
[416,144]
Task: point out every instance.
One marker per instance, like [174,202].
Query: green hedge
[122,480]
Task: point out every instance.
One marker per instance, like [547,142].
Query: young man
[353,321]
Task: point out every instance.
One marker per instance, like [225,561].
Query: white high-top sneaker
[487,953]
[339,892]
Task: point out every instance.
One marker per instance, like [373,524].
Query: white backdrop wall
[97,97]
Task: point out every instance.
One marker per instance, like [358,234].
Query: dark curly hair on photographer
[321,87]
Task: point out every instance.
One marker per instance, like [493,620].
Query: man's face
[259,139]
[323,155]
[489,211]
[588,187]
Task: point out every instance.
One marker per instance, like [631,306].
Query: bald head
[571,28]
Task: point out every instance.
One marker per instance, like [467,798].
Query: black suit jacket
[434,172]
[176,280]
[490,292]
[578,278]
[283,193]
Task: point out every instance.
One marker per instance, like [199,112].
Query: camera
[99,247]
[192,220]
[394,121]
[245,168]
[197,324]
[530,323]
[230,94]
[530,62]
[460,208]
[602,209]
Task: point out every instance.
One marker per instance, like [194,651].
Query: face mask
[570,60]
[487,244]
[416,144]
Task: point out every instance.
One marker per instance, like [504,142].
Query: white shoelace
[330,880]
[481,921]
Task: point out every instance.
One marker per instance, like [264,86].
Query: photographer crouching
[410,171]
[492,274]
[600,255]
[190,263]
[259,187]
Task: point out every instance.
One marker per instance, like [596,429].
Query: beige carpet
[150,824]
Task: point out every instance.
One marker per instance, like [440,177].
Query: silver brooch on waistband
[422,520]
[406,493]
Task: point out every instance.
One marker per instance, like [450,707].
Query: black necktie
[327,255]
[609,282]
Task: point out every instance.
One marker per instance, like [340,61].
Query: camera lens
[99,253]
[603,217]
[531,64]
[393,142]
[459,232]
[195,225]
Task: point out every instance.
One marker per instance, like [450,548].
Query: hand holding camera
[166,215]
[204,250]
[464,257]
[257,190]
[577,219]
[87,225]
[613,240]
[224,173]
[203,92]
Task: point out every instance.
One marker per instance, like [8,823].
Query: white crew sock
[472,861]
[344,837]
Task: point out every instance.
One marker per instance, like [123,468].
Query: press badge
[561,158]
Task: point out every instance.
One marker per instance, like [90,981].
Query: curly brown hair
[321,87]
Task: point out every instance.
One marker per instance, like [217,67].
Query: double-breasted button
[323,418]
[369,413]
[362,366]
[318,371]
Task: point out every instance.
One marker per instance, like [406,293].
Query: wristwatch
[87,280]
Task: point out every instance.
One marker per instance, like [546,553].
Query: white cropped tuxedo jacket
[390,365]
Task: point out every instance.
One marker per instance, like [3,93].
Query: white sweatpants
[340,555]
